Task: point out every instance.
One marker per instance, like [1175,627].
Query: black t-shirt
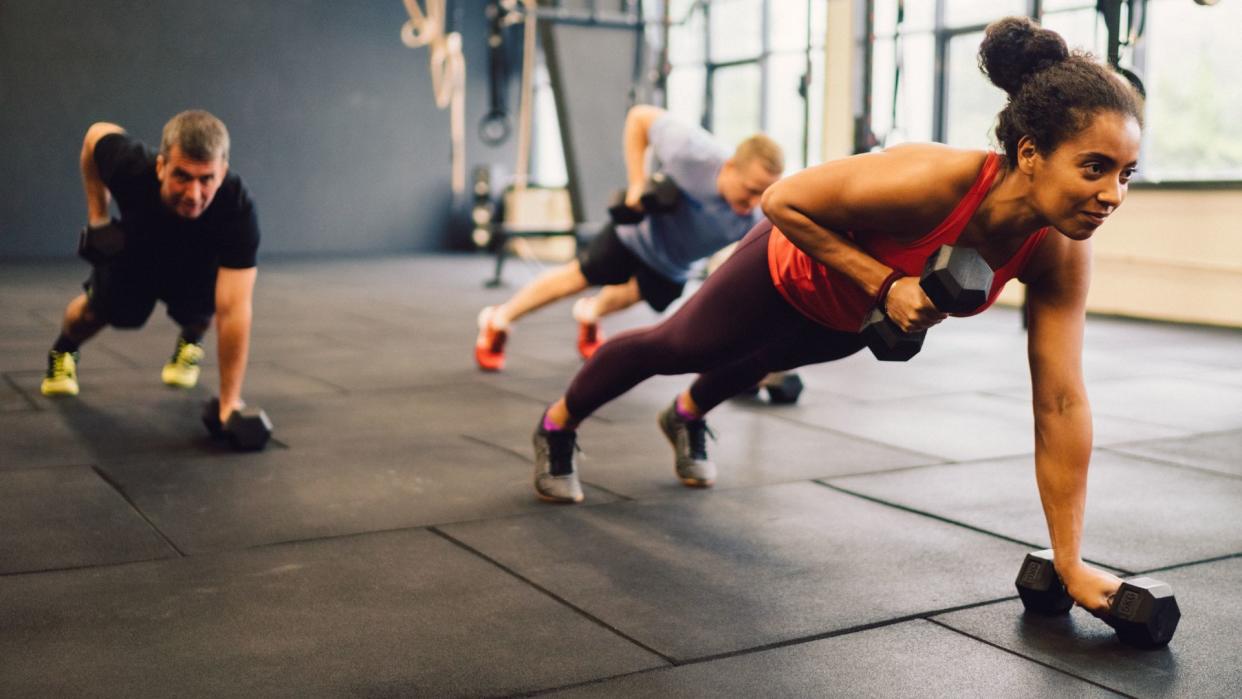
[225,235]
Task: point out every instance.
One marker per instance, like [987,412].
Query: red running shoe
[489,348]
[590,337]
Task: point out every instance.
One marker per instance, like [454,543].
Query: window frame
[942,34]
[810,44]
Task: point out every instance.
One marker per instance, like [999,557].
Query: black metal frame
[710,67]
[551,12]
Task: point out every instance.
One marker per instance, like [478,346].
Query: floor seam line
[550,594]
[124,496]
[869,440]
[1029,658]
[1179,566]
[18,389]
[786,643]
[497,447]
[1165,462]
[946,520]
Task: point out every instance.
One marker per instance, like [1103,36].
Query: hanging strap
[448,74]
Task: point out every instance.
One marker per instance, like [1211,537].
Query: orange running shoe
[590,337]
[489,348]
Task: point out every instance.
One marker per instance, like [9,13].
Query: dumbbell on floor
[1144,612]
[783,387]
[957,280]
[247,429]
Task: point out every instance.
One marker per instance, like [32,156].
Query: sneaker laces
[497,339]
[698,431]
[561,447]
[186,354]
[490,336]
[57,364]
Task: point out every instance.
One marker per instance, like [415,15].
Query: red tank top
[827,297]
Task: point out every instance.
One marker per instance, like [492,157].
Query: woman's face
[1079,184]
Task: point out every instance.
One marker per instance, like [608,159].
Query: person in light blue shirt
[651,260]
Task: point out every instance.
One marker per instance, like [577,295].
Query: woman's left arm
[1056,307]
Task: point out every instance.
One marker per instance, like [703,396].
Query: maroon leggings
[734,331]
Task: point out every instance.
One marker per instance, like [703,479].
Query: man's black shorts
[606,261]
[123,293]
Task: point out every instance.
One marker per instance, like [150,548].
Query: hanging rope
[448,75]
[522,170]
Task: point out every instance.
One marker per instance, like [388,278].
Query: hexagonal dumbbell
[1040,587]
[660,194]
[619,213]
[247,429]
[100,244]
[957,280]
[783,387]
[1144,612]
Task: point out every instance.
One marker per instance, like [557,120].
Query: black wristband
[881,297]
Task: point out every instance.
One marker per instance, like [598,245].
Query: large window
[926,84]
[1194,99]
[925,80]
[743,66]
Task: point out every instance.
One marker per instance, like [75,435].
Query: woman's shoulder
[918,183]
[936,162]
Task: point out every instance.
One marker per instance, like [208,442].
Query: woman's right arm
[908,187]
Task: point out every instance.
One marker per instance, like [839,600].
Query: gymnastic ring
[494,129]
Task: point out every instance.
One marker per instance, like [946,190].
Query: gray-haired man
[190,237]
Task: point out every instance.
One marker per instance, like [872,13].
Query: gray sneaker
[689,440]
[556,468]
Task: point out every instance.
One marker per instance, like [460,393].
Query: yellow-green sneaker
[182,370]
[61,378]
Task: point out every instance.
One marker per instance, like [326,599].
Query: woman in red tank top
[851,235]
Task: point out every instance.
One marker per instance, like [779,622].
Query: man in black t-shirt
[190,238]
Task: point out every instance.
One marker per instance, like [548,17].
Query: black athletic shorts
[606,261]
[123,293]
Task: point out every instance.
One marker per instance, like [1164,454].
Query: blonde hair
[762,149]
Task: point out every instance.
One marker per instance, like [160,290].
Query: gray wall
[334,124]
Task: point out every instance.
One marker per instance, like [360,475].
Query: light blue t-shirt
[702,222]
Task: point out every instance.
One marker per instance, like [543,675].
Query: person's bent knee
[84,319]
[89,317]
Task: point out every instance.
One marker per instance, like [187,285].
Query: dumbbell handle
[956,280]
[940,297]
[621,213]
[99,244]
[882,306]
[660,193]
